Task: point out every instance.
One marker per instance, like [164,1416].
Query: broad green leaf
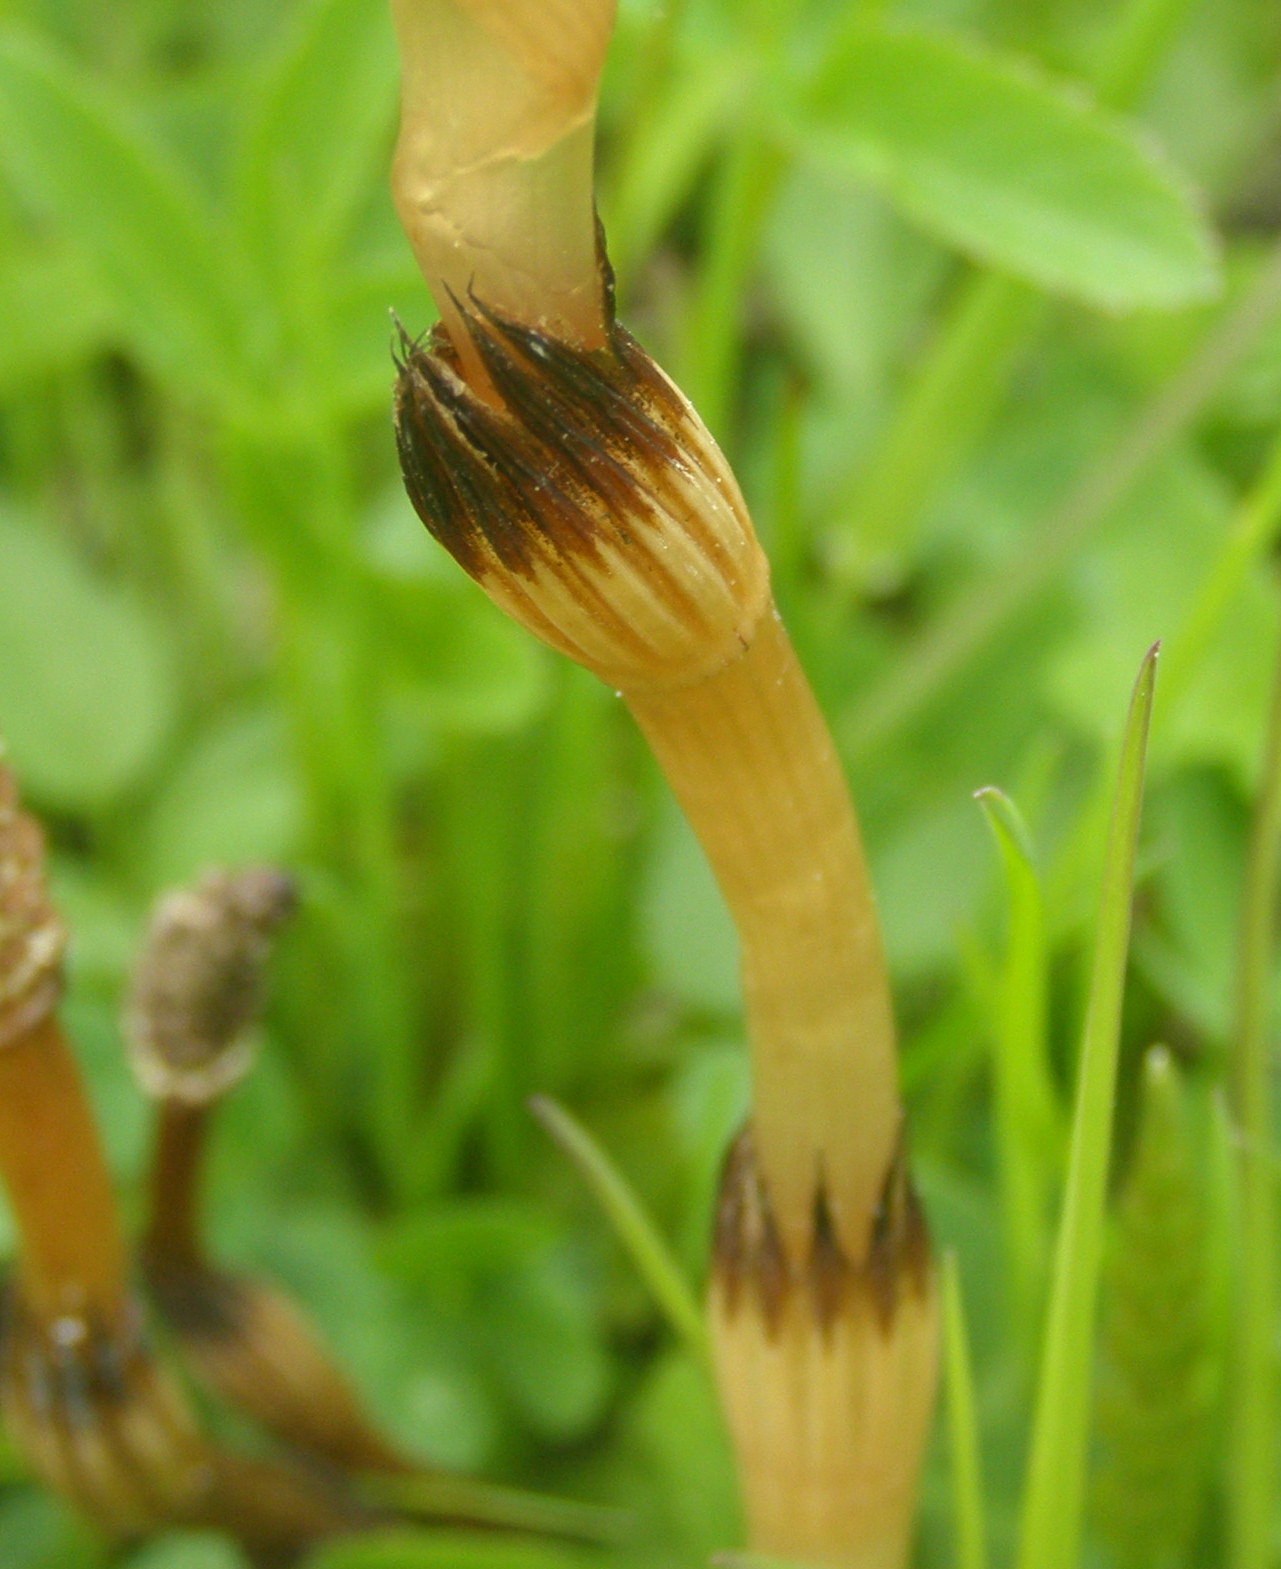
[687,929]
[1143,581]
[38,1531]
[676,1425]
[87,687]
[74,155]
[1160,1372]
[233,797]
[1011,170]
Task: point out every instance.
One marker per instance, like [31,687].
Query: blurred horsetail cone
[32,938]
[198,985]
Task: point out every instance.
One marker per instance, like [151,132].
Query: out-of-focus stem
[174,1183]
[72,1258]
[194,1001]
[101,1421]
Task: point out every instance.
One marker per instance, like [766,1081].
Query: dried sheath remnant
[584,495]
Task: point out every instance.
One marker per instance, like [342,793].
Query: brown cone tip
[752,1270]
[198,986]
[32,938]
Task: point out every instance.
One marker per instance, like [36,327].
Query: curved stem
[749,757]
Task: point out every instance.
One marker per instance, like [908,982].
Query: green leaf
[1160,1363]
[55,312]
[1011,170]
[675,1423]
[320,127]
[189,1550]
[232,798]
[687,929]
[87,688]
[74,154]
[1052,1502]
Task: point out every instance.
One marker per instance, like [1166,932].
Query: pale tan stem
[751,761]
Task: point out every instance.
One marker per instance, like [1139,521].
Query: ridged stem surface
[749,757]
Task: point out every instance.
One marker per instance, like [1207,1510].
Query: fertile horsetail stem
[197,992]
[573,481]
[595,508]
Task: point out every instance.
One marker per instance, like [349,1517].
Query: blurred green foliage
[927,267]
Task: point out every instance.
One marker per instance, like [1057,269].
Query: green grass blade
[432,1496]
[1028,1123]
[1054,1493]
[968,1511]
[638,1234]
[1252,1483]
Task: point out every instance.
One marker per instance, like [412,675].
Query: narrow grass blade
[1054,1492]
[427,1496]
[1252,1483]
[638,1234]
[1029,1131]
[968,1511]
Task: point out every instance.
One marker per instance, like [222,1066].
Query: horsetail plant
[196,994]
[571,479]
[98,1417]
